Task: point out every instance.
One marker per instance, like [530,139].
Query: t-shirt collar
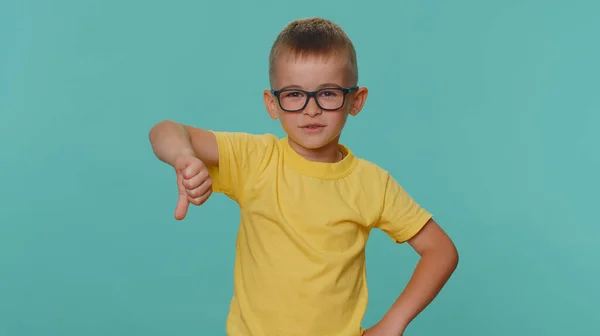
[322,170]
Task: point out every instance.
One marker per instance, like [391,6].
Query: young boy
[307,204]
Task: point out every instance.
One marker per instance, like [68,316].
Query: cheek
[337,118]
[288,119]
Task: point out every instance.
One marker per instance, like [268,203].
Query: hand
[193,182]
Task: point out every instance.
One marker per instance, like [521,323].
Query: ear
[270,104]
[358,100]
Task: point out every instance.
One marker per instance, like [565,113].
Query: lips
[312,126]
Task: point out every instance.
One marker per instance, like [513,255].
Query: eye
[329,93]
[292,94]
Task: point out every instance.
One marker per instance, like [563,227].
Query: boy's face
[313,128]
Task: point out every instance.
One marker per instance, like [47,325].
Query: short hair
[314,36]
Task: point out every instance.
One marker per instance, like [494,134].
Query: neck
[329,153]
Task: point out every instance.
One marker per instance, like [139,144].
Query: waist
[296,315]
[308,299]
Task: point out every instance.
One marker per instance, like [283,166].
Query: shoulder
[371,170]
[249,141]
[370,180]
[245,136]
[366,170]
[376,180]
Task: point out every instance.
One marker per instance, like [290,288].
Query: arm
[189,150]
[207,161]
[171,140]
[439,259]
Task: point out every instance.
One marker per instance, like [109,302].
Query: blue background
[485,111]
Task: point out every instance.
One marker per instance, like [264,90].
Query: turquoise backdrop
[486,111]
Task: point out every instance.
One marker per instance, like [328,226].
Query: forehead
[310,70]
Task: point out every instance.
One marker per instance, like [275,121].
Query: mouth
[312,126]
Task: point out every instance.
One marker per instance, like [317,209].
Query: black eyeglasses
[328,99]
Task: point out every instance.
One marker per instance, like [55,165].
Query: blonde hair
[315,36]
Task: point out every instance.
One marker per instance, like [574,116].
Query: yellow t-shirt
[300,257]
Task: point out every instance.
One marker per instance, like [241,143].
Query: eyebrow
[326,85]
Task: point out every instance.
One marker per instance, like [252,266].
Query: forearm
[431,273]
[170,140]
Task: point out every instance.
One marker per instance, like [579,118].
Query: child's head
[310,55]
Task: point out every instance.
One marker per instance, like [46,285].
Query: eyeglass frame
[313,94]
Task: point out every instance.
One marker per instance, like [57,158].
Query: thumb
[182,203]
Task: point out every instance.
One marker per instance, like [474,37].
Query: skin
[190,150]
[439,259]
[310,74]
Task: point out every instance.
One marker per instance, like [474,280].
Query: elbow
[449,250]
[158,127]
[454,257]
[450,256]
[447,255]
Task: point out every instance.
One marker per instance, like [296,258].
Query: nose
[312,109]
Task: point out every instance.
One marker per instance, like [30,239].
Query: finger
[201,189]
[200,200]
[182,207]
[194,182]
[193,169]
[202,193]
[182,203]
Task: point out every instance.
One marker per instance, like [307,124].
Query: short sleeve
[401,217]
[240,157]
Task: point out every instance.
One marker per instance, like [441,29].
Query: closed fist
[193,182]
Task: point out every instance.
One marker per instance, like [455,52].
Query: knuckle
[188,183]
[204,173]
[194,193]
[199,166]
[198,200]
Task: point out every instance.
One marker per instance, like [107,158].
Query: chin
[312,142]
